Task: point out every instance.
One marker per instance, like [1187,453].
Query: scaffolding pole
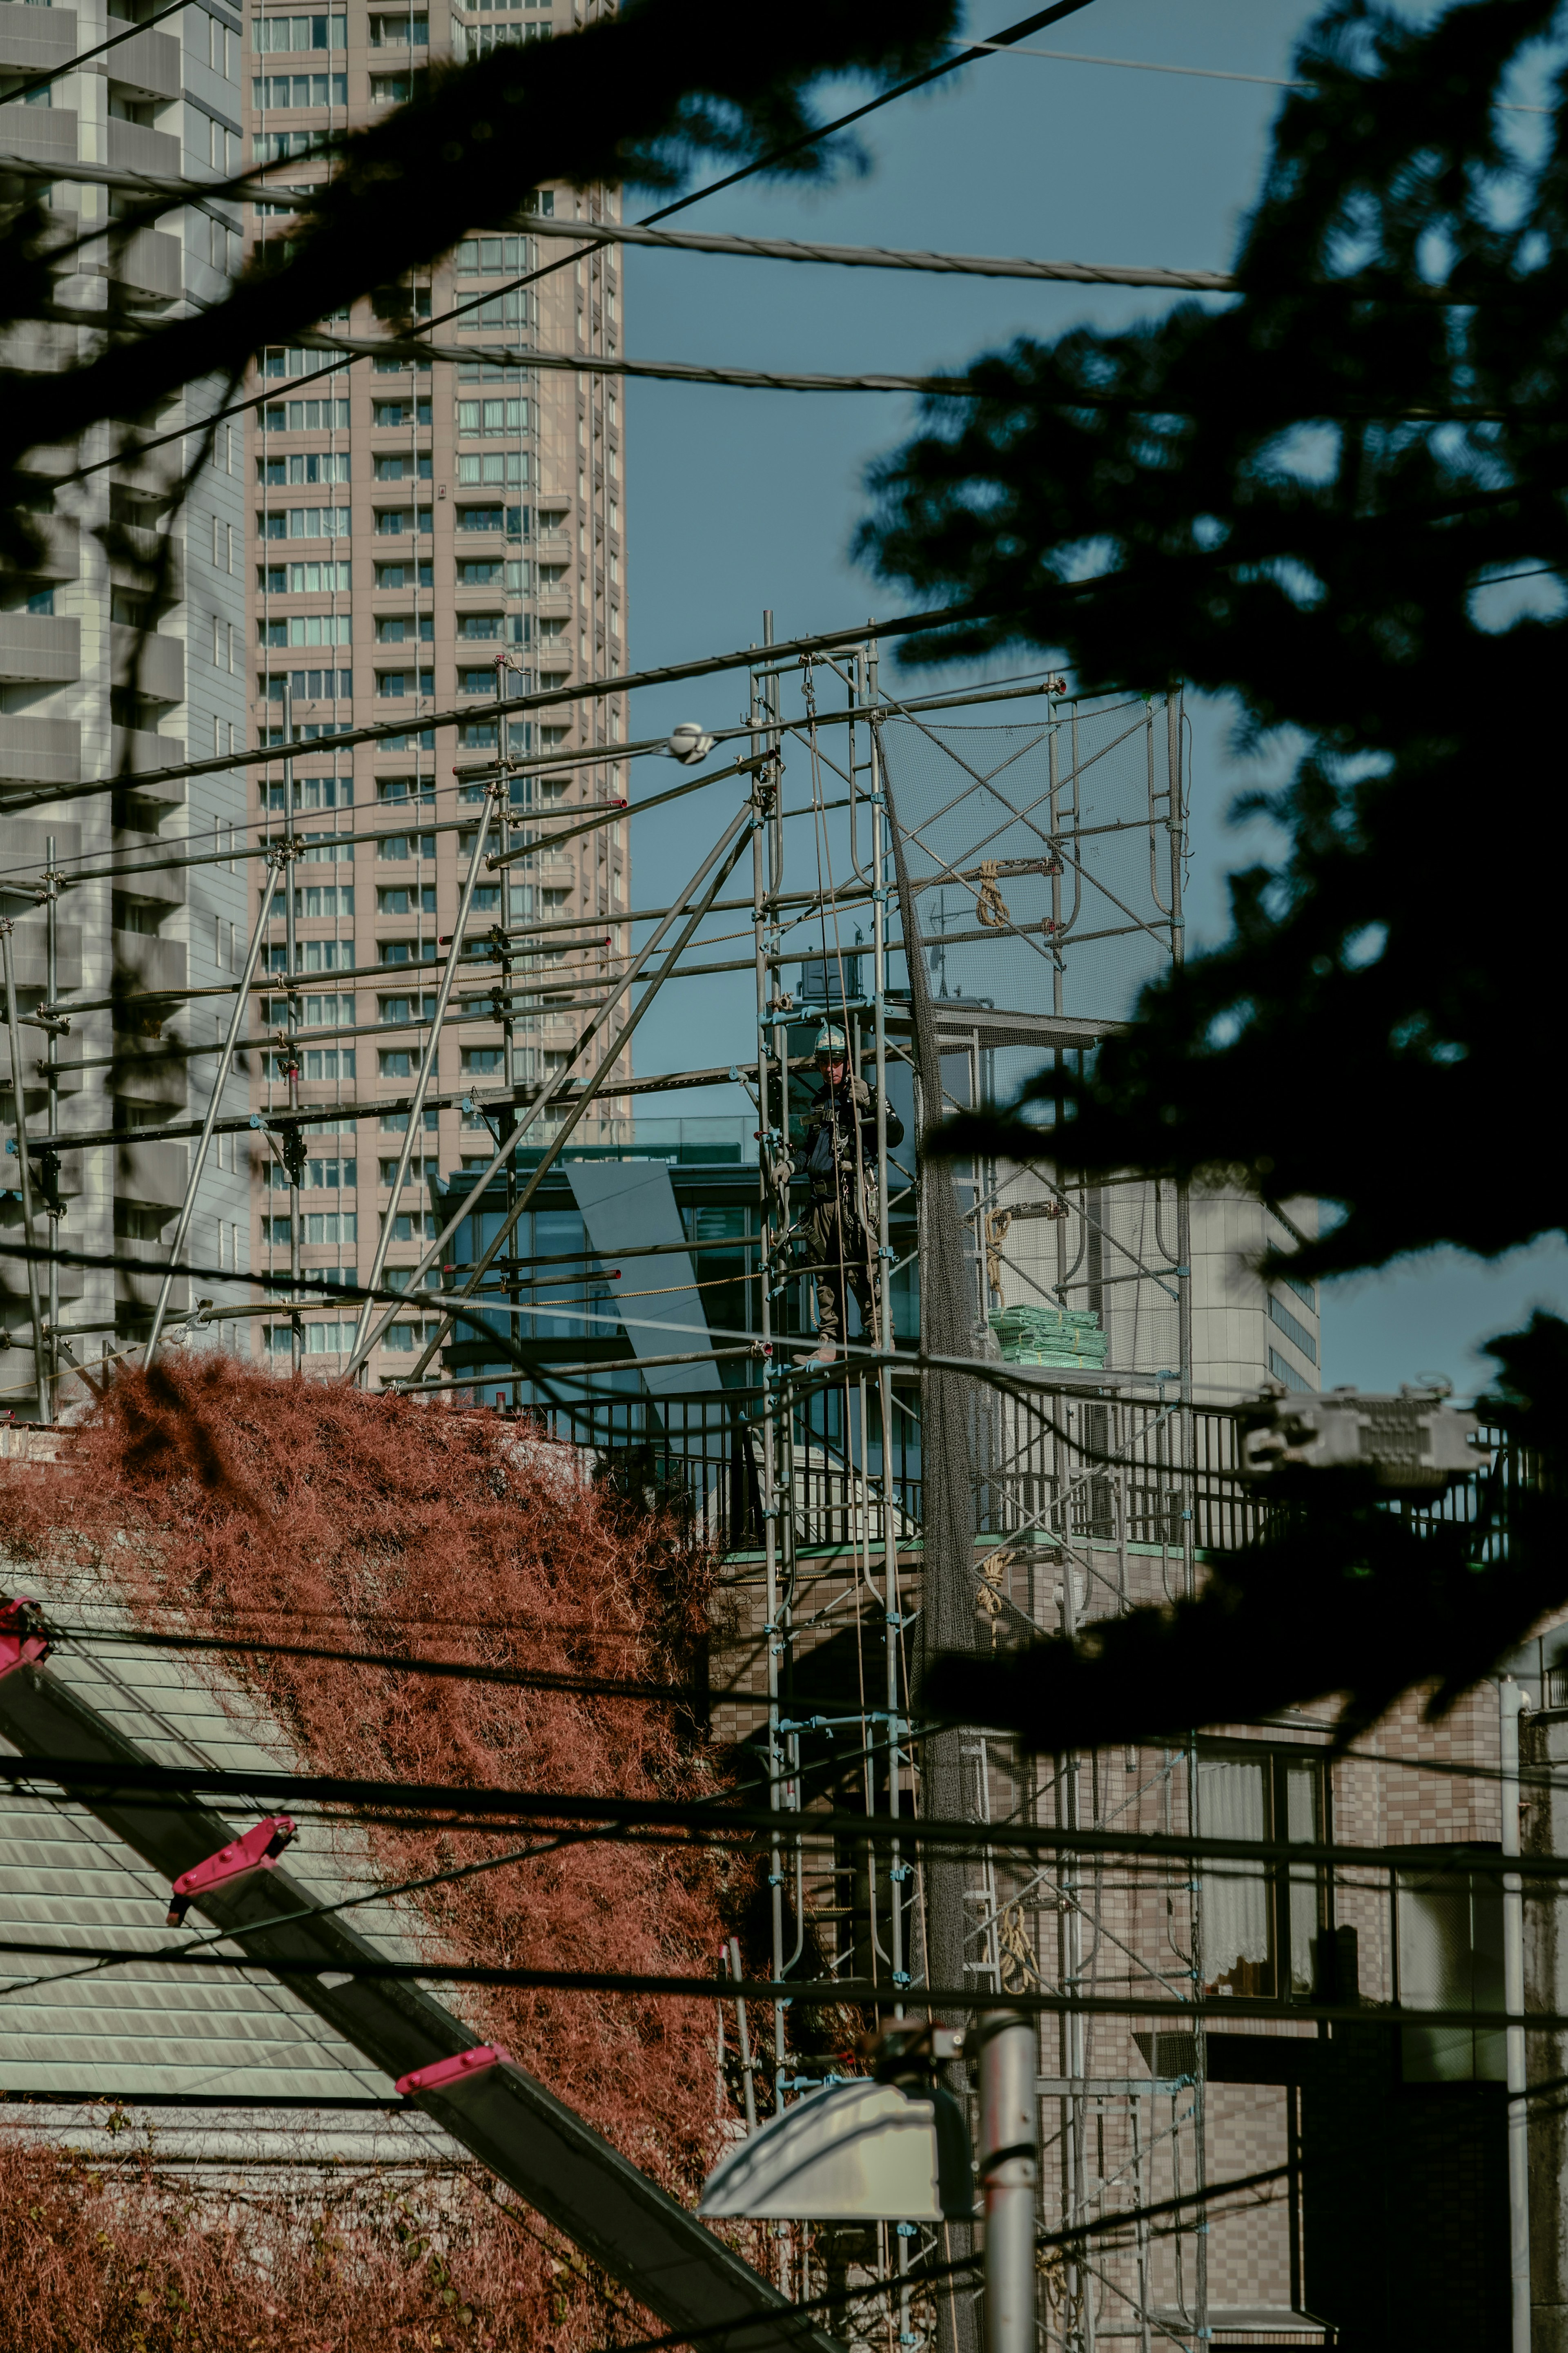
[281,858]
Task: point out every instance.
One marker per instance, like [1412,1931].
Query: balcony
[149,65]
[134,748]
[40,649]
[159,674]
[141,1290]
[149,263]
[34,40]
[132,146]
[155,964]
[39,751]
[153,1171]
[42,134]
[60,540]
[29,963]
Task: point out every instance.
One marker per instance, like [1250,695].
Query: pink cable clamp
[23,1642]
[444,2072]
[257,1850]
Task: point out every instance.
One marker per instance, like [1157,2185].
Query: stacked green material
[1049,1335]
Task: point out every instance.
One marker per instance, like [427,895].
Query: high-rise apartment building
[409,528]
[124,653]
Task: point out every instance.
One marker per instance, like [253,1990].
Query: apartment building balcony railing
[39,751]
[158,664]
[40,649]
[35,40]
[43,135]
[150,64]
[149,263]
[141,1290]
[135,147]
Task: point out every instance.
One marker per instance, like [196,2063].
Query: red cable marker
[257,1850]
[442,2072]
[23,1642]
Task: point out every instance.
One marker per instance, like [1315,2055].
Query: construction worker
[841,1162]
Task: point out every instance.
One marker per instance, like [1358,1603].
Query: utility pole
[1008,2173]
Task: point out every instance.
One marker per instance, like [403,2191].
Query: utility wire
[807,1993]
[714,1819]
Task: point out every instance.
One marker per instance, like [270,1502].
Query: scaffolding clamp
[23,1642]
[443,2072]
[243,1859]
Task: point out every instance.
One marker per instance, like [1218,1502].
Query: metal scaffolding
[1041,837]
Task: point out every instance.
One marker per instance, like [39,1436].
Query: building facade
[414,533]
[121,655]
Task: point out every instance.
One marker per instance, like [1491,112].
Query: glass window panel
[1233,1802]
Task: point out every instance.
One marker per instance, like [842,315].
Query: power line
[712,1820]
[588,689]
[1204,73]
[804,1993]
[976,50]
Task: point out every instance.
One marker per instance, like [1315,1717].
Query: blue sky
[738,500]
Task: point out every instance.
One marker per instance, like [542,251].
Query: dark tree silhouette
[647,97]
[1298,497]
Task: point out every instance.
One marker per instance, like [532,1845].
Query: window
[1304,1290]
[416,1172]
[392,523]
[300,89]
[403,788]
[396,1062]
[484,574]
[306,629]
[399,467]
[399,630]
[482,519]
[399,32]
[308,579]
[407,845]
[475,681]
[481,625]
[274,33]
[304,466]
[324,900]
[399,412]
[308,685]
[306,417]
[331,1176]
[389,89]
[406,575]
[402,1338]
[1450,1958]
[486,900]
[276,1233]
[412,1225]
[1284,1371]
[1259,1920]
[407,952]
[406,899]
[324,792]
[396,1122]
[482,1061]
[301,522]
[491,417]
[1295,1331]
[406,1008]
[499,466]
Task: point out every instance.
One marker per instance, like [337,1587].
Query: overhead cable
[711,1820]
[804,1993]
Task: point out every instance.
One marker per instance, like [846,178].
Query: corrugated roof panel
[136,2028]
